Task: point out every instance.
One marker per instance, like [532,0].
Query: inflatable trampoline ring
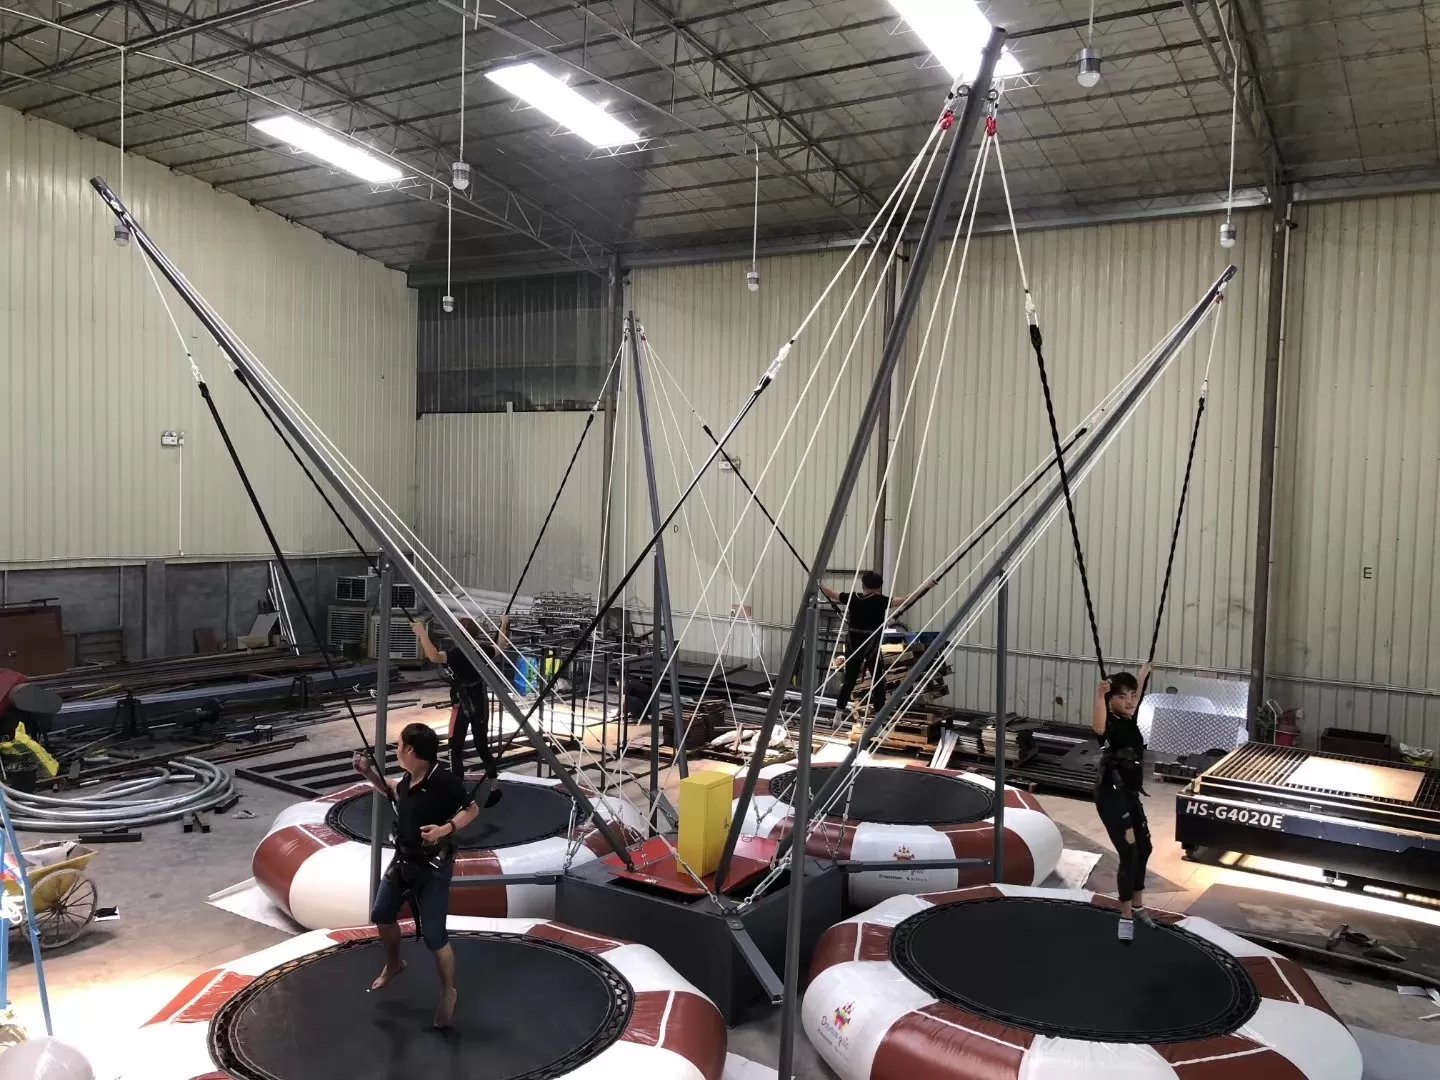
[1004,981]
[906,812]
[315,860]
[536,999]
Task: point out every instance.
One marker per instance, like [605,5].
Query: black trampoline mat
[526,813]
[527,1009]
[1054,967]
[898,796]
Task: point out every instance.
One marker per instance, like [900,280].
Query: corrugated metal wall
[714,339]
[485,482]
[1106,295]
[1355,569]
[93,373]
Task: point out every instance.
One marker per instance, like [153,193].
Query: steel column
[382,705]
[790,1005]
[976,101]
[1269,416]
[664,614]
[1002,630]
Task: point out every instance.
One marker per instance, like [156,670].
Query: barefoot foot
[385,976]
[446,1011]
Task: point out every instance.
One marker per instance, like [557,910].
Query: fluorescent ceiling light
[955,31]
[320,143]
[539,88]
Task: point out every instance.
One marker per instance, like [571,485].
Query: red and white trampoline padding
[1006,982]
[534,995]
[901,813]
[314,863]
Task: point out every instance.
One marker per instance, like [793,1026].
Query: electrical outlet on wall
[172,440]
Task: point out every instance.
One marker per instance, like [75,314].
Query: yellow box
[705,799]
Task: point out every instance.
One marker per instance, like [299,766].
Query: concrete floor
[108,984]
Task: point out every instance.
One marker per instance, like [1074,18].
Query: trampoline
[904,813]
[1004,981]
[314,863]
[537,1001]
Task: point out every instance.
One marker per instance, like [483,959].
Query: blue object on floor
[9,844]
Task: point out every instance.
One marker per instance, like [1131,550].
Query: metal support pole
[1269,417]
[976,102]
[388,537]
[790,1006]
[378,802]
[657,661]
[1002,629]
[614,303]
[664,614]
[883,437]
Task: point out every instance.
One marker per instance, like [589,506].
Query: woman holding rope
[1118,790]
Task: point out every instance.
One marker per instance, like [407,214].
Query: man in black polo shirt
[866,613]
[431,806]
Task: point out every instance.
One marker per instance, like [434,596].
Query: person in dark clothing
[1119,787]
[472,701]
[431,806]
[866,613]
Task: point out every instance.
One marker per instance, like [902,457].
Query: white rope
[1014,231]
[819,364]
[963,630]
[715,529]
[1234,107]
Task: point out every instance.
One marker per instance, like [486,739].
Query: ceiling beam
[1261,129]
[765,121]
[189,28]
[491,198]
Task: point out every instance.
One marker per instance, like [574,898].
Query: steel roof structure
[833,97]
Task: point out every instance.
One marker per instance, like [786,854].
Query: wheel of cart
[63,895]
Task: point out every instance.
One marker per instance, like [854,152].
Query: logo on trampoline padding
[904,855]
[832,1027]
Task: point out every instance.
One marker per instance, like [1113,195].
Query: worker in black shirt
[431,807]
[1119,787]
[866,613]
[472,701]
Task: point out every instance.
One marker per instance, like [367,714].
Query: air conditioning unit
[402,595]
[403,643]
[346,626]
[356,588]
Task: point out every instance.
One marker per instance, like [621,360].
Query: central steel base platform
[695,935]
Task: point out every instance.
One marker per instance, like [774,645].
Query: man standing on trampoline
[431,806]
[472,700]
[1118,790]
[866,613]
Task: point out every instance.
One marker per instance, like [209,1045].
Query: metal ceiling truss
[1255,111]
[501,204]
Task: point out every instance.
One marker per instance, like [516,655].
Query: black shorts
[430,903]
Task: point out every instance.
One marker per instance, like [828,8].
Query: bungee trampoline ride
[1004,982]
[977,984]
[538,1001]
[314,863]
[906,812]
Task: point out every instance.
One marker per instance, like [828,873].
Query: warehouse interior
[555,374]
